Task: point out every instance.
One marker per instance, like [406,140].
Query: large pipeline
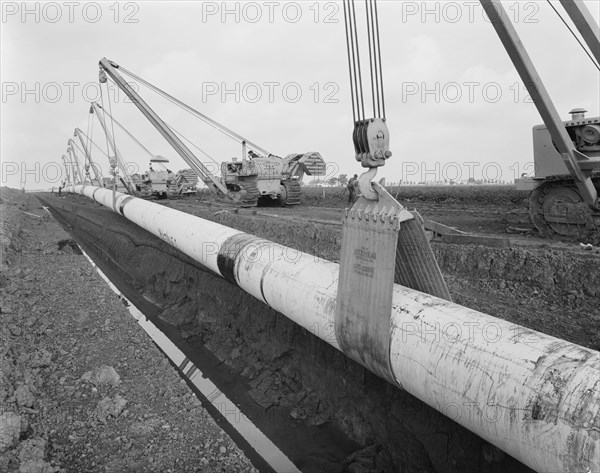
[533,396]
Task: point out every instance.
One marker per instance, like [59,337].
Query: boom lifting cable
[95,144]
[181,135]
[75,157]
[90,124]
[93,165]
[110,115]
[78,148]
[190,142]
[120,165]
[104,113]
[124,170]
[128,133]
[223,129]
[574,35]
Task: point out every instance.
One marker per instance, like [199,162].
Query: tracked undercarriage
[556,207]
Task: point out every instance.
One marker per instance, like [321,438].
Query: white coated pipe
[534,396]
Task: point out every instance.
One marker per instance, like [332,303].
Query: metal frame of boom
[88,157]
[202,171]
[74,162]
[67,170]
[126,179]
[74,149]
[579,165]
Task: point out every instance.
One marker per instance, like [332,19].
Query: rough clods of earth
[82,387]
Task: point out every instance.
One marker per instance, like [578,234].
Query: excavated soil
[302,382]
[82,387]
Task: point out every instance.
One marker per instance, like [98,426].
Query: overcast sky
[276,73]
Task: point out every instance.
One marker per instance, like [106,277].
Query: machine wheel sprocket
[556,207]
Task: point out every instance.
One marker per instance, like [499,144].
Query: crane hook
[365,184]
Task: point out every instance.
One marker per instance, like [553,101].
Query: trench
[321,410]
[256,445]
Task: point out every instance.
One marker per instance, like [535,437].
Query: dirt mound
[8,193]
[82,388]
[10,229]
[410,195]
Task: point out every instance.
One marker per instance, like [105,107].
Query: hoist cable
[95,144]
[105,132]
[376,59]
[352,95]
[360,89]
[372,66]
[121,165]
[223,129]
[190,142]
[128,133]
[354,65]
[379,60]
[112,125]
[139,143]
[89,122]
[354,76]
[574,35]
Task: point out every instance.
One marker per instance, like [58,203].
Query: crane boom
[88,156]
[202,171]
[67,169]
[74,161]
[126,178]
[579,165]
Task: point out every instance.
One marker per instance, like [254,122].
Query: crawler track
[556,208]
[293,193]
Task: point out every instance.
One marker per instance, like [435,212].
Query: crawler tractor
[557,204]
[261,175]
[270,177]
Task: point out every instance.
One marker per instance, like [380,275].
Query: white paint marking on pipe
[227,408]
